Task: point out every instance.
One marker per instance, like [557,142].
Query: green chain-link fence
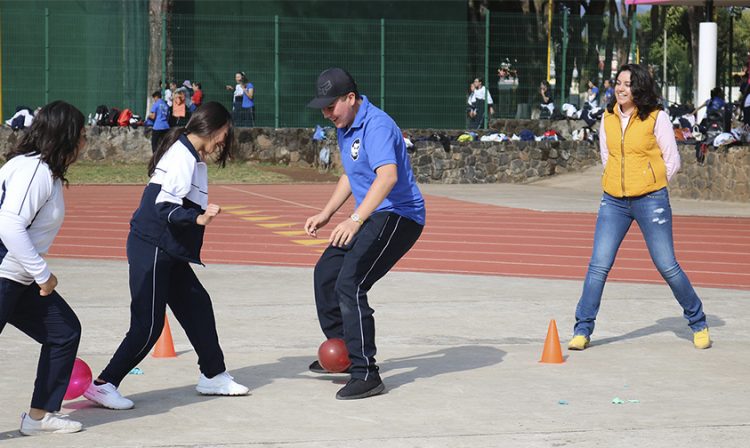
[418,71]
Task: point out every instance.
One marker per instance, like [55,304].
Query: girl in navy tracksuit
[31,213]
[166,234]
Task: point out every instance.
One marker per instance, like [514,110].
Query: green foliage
[741,40]
[679,66]
[679,70]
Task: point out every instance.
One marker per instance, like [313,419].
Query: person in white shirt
[476,102]
[31,213]
[169,93]
[243,104]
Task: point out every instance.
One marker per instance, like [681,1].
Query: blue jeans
[653,214]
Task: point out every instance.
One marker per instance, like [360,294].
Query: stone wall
[115,144]
[485,162]
[725,175]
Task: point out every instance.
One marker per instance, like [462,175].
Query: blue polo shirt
[374,140]
[160,111]
[247,102]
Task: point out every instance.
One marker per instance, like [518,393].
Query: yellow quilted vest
[635,166]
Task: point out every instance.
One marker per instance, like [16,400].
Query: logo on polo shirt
[354,150]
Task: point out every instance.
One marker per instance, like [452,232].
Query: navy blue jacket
[172,201]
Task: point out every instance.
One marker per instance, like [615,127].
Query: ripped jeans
[653,214]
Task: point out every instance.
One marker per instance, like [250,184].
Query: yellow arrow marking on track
[279,224]
[244,212]
[290,233]
[259,218]
[310,242]
[232,207]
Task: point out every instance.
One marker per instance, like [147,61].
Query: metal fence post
[728,85]
[665,87]
[486,65]
[549,40]
[564,55]
[276,71]
[634,25]
[382,64]
[46,55]
[1,72]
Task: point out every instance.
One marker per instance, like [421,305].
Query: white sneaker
[108,396]
[50,424]
[221,384]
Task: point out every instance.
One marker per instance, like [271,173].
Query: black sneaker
[357,388]
[315,367]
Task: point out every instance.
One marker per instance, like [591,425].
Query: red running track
[262,225]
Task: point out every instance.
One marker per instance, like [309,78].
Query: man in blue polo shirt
[387,219]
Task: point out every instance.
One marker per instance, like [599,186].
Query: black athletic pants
[51,322]
[157,280]
[344,275]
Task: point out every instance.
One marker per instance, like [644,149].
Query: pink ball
[80,379]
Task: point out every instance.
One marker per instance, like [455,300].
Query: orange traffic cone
[164,347]
[552,353]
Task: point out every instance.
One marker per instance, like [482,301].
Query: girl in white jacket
[31,213]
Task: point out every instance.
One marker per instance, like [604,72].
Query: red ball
[333,355]
[80,379]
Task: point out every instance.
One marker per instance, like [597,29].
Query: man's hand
[47,287]
[314,223]
[344,232]
[211,212]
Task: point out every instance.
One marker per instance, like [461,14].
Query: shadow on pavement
[677,325]
[427,365]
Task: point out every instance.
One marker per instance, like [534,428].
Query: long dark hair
[54,135]
[643,89]
[206,120]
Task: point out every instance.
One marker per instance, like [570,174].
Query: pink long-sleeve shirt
[664,138]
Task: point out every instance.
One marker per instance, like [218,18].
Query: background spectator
[197,96]
[243,106]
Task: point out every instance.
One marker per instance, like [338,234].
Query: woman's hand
[211,212]
[49,286]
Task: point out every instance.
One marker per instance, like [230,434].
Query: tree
[673,20]
[158,11]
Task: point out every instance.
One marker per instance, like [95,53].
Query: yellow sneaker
[579,342]
[701,339]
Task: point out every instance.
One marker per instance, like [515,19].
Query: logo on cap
[324,88]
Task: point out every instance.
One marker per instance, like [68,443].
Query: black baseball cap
[332,83]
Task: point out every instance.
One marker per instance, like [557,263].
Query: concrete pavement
[458,354]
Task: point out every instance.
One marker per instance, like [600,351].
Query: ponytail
[204,122]
[169,139]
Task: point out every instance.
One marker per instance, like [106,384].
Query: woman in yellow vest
[639,154]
